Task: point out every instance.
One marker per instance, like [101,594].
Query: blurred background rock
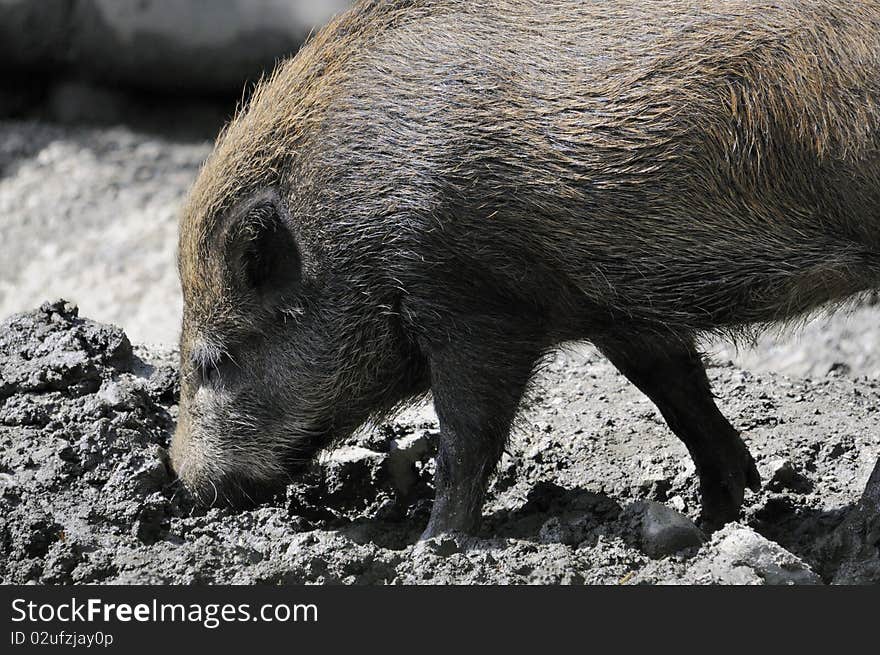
[78,58]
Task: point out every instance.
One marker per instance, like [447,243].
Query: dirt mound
[593,487]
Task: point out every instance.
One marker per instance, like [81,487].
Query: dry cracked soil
[593,487]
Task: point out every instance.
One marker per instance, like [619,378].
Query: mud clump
[83,424]
[593,488]
[54,350]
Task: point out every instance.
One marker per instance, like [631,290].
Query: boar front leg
[671,373]
[477,389]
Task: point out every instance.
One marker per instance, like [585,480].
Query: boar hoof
[723,493]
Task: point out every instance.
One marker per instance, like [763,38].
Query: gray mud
[593,488]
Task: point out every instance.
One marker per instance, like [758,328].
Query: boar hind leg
[476,395]
[671,373]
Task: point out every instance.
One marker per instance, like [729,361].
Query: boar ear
[261,247]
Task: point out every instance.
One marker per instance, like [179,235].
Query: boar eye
[213,369]
[210,375]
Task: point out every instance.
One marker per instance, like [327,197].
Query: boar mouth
[235,492]
[240,491]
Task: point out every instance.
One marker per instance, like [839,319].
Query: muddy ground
[594,488]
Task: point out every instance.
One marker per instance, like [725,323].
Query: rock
[19,95]
[663,531]
[739,555]
[783,475]
[199,47]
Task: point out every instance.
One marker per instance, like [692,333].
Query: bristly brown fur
[662,138]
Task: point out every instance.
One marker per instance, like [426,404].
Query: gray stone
[201,46]
[664,531]
[739,555]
